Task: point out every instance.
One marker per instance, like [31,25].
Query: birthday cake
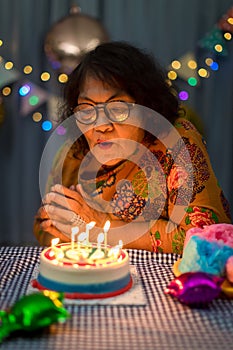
[84,271]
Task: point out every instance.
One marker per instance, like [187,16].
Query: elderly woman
[137,163]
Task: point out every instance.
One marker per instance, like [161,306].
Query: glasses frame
[104,105]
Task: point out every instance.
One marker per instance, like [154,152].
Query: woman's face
[109,142]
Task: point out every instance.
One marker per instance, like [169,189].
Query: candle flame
[54,241]
[75,230]
[106,225]
[91,224]
[82,236]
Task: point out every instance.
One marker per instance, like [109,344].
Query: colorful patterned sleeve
[194,198]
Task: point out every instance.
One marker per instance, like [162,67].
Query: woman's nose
[103,123]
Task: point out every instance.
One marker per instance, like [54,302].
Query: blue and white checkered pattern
[163,323]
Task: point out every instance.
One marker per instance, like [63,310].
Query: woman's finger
[66,192]
[59,214]
[62,201]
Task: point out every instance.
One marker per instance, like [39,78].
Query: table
[163,323]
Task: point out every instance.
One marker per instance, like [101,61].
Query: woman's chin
[110,162]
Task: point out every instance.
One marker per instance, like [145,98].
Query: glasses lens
[118,111]
[85,113]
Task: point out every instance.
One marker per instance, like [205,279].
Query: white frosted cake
[84,271]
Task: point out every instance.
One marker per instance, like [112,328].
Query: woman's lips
[104,144]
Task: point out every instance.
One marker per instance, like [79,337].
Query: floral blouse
[174,189]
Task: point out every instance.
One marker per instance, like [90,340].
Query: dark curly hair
[120,64]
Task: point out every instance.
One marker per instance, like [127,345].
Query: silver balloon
[70,38]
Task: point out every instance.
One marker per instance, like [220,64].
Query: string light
[24,90]
[218,48]
[33,100]
[47,125]
[6,91]
[45,76]
[209,61]
[27,69]
[172,75]
[9,65]
[192,81]
[214,66]
[37,116]
[192,64]
[63,78]
[203,73]
[61,130]
[176,64]
[227,36]
[183,95]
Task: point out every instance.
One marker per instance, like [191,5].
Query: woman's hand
[63,206]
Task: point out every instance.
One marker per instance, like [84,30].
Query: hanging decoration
[215,45]
[75,34]
[70,38]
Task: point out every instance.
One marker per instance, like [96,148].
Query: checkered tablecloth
[162,323]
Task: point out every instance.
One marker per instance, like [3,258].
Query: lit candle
[54,242]
[74,232]
[55,250]
[120,244]
[106,228]
[82,237]
[83,251]
[89,226]
[100,240]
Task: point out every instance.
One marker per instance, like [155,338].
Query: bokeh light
[45,76]
[218,48]
[227,36]
[172,75]
[6,91]
[192,64]
[47,125]
[183,95]
[37,116]
[214,66]
[9,65]
[192,81]
[63,78]
[24,90]
[61,130]
[176,64]
[203,72]
[1,42]
[209,61]
[27,69]
[33,100]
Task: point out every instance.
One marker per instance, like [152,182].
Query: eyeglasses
[116,111]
